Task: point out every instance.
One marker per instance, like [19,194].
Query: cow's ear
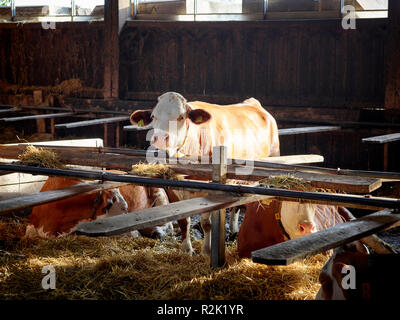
[141,118]
[198,116]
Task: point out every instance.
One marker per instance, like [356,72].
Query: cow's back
[246,128]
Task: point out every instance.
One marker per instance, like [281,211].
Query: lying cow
[271,222]
[352,273]
[62,217]
[194,128]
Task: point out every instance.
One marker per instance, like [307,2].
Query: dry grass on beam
[40,157]
[161,171]
[127,268]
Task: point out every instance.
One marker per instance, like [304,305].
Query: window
[52,10]
[197,10]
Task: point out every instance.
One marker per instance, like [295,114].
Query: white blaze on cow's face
[298,218]
[115,203]
[168,120]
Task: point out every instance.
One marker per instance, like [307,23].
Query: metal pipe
[239,189]
[13,11]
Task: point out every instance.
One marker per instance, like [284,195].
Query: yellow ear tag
[267,201]
[199,119]
[141,123]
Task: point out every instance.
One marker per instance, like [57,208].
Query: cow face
[331,276]
[298,218]
[170,120]
[113,203]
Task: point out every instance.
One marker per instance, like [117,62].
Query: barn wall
[297,63]
[31,55]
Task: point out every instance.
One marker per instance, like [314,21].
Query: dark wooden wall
[31,55]
[298,63]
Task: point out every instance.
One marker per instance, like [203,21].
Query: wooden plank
[15,109]
[290,251]
[303,130]
[290,195]
[90,122]
[162,214]
[39,116]
[32,200]
[383,139]
[296,159]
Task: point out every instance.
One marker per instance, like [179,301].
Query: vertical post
[105,138]
[219,159]
[111,54]
[52,128]
[117,134]
[385,156]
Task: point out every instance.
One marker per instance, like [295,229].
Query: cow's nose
[306,228]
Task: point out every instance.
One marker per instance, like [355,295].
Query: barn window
[51,10]
[197,10]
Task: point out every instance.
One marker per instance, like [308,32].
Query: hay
[287,182]
[40,157]
[125,268]
[155,171]
[68,86]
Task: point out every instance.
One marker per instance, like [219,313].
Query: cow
[60,218]
[353,273]
[270,222]
[193,128]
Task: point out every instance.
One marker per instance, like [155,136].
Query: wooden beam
[392,55]
[93,122]
[303,130]
[293,250]
[345,183]
[39,116]
[32,200]
[162,214]
[289,195]
[111,52]
[383,139]
[217,256]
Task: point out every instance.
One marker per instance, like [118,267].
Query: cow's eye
[180,118]
[152,117]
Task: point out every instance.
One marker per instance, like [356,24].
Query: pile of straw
[287,182]
[40,157]
[155,171]
[143,268]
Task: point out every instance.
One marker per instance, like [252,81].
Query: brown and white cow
[193,128]
[62,217]
[352,273]
[270,222]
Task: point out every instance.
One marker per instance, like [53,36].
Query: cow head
[298,218]
[113,203]
[354,254]
[169,120]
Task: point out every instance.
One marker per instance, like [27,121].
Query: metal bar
[40,116]
[90,122]
[238,189]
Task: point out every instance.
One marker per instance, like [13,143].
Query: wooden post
[219,160]
[117,135]
[392,57]
[105,138]
[52,128]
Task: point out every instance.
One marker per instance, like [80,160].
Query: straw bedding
[40,157]
[140,268]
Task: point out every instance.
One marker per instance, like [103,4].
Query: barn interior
[328,71]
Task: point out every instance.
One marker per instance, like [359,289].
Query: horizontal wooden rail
[155,216]
[290,195]
[304,130]
[387,138]
[39,116]
[90,122]
[293,250]
[32,200]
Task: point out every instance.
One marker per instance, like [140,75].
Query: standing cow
[194,128]
[62,217]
